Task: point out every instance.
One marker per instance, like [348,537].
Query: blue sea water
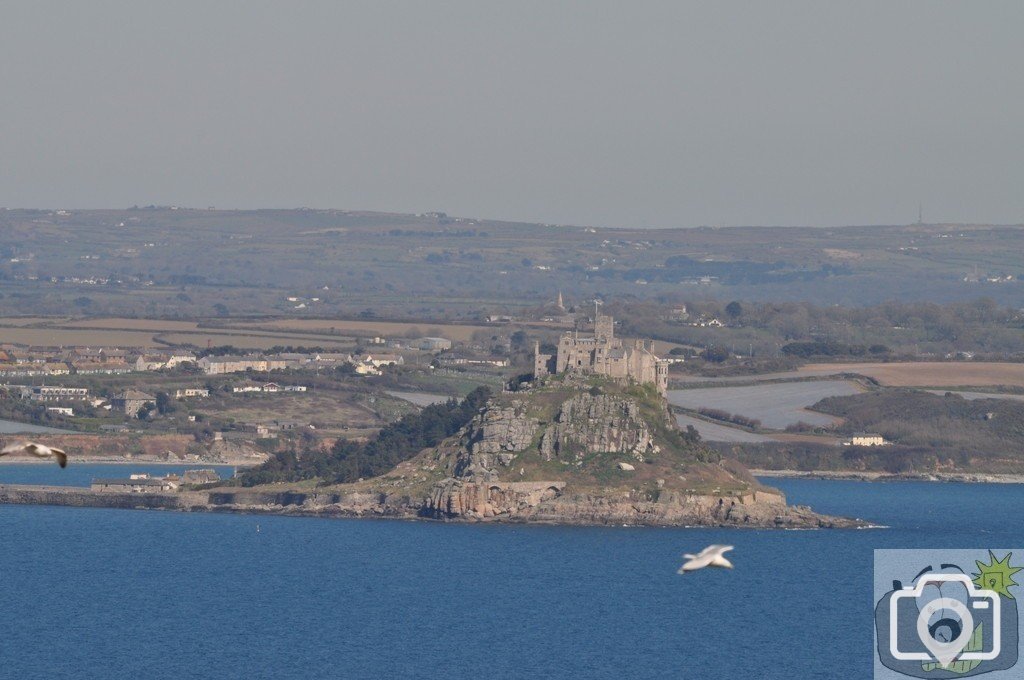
[91,593]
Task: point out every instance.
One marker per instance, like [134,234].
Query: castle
[603,354]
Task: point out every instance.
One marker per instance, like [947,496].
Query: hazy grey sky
[605,113]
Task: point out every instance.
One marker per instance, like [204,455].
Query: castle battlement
[603,354]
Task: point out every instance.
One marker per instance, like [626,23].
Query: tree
[164,404]
[734,309]
[715,354]
[518,339]
[145,410]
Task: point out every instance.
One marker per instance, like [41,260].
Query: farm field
[776,405]
[307,329]
[930,373]
[65,337]
[127,324]
[28,320]
[150,333]
[250,340]
[459,332]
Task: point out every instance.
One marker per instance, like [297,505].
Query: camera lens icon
[937,638]
[945,624]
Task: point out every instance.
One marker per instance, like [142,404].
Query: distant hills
[181,262]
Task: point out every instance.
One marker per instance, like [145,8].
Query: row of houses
[268,387]
[86,361]
[462,360]
[130,401]
[219,365]
[16,362]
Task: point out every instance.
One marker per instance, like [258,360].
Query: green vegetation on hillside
[979,427]
[348,461]
[929,433]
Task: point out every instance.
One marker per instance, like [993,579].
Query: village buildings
[218,365]
[130,402]
[191,393]
[54,393]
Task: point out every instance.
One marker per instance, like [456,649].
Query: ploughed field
[929,373]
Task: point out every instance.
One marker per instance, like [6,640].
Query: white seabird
[37,450]
[710,556]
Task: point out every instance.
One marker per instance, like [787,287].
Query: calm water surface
[95,593]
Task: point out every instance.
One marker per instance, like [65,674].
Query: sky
[629,114]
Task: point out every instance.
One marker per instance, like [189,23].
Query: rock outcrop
[589,423]
[491,440]
[483,468]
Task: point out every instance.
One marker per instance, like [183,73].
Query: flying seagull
[37,450]
[710,556]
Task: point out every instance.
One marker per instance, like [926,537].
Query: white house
[866,439]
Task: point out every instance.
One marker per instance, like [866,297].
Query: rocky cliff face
[599,423]
[485,466]
[491,441]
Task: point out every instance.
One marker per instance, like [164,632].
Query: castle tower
[604,328]
[661,377]
[541,363]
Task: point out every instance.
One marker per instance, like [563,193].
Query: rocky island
[588,438]
[571,450]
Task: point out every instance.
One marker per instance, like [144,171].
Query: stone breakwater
[467,502]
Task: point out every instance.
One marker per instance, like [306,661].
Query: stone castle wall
[603,354]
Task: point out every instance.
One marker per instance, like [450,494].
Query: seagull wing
[710,556]
[716,549]
[12,448]
[62,458]
[696,563]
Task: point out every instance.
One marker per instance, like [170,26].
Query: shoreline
[361,505]
[867,476]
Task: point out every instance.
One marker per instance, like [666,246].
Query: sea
[98,593]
